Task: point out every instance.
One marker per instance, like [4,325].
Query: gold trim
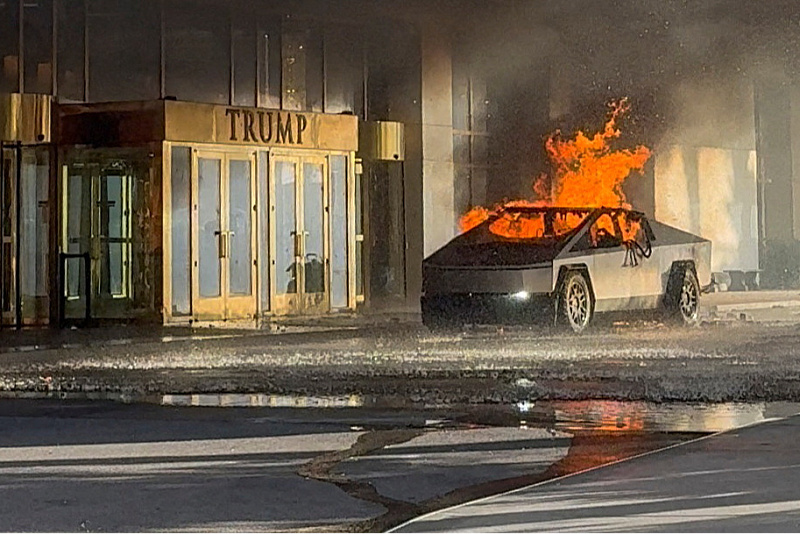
[254,127]
[25,118]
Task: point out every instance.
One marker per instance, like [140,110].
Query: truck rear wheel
[683,302]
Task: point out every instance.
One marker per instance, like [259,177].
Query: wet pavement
[78,465]
[405,364]
[744,480]
[375,422]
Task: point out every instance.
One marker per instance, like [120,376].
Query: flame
[587,174]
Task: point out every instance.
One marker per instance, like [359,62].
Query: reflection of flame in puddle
[233,400]
[614,416]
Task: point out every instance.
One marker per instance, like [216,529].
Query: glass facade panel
[338,217]
[285,227]
[314,70]
[344,86]
[240,216]
[263,227]
[124,51]
[244,58]
[197,51]
[181,230]
[209,220]
[9,46]
[313,224]
[294,70]
[480,105]
[461,119]
[78,227]
[115,196]
[71,17]
[38,46]
[269,62]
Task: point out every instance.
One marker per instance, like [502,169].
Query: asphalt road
[739,481]
[107,467]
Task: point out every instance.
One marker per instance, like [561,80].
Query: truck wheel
[576,302]
[683,304]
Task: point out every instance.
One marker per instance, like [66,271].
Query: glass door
[300,192]
[97,212]
[224,260]
[112,242]
[24,235]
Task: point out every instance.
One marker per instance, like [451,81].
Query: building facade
[205,160]
[208,160]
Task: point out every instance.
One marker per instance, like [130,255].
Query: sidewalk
[744,480]
[758,306]
[44,338]
[754,306]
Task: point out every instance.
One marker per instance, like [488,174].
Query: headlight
[520,295]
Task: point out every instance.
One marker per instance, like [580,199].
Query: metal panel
[206,123]
[382,140]
[25,118]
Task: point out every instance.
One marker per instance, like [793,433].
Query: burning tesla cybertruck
[564,265]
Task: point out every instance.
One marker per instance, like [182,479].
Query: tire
[683,302]
[575,302]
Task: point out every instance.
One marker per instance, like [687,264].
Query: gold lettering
[249,122]
[233,114]
[302,123]
[268,137]
[284,130]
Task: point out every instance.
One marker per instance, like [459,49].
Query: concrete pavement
[97,466]
[744,480]
[760,306]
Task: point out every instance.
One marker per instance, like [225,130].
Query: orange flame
[588,174]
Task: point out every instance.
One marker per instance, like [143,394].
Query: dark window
[124,50]
[71,22]
[9,46]
[269,61]
[197,49]
[314,70]
[244,57]
[302,68]
[38,46]
[470,136]
[344,70]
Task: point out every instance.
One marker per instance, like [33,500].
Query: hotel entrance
[259,213]
[224,255]
[302,225]
[26,201]
[98,195]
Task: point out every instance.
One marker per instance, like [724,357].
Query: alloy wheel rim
[577,304]
[688,299]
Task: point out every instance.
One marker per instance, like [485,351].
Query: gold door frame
[225,306]
[300,302]
[9,161]
[94,174]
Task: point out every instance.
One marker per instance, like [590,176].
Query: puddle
[615,416]
[570,416]
[260,400]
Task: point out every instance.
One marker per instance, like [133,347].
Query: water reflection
[615,416]
[233,400]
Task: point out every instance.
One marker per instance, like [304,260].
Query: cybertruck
[564,265]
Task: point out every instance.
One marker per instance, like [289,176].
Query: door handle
[298,244]
[222,243]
